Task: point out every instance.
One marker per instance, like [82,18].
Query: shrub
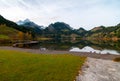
[117,59]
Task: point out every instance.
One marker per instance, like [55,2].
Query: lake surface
[92,50]
[100,47]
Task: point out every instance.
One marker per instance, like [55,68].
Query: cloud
[77,13]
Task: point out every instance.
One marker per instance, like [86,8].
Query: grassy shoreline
[23,66]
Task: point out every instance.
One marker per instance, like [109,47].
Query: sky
[77,13]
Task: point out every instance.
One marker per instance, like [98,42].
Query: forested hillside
[56,30]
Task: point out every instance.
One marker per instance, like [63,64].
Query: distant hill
[58,27]
[8,30]
[13,25]
[97,28]
[29,24]
[61,29]
[11,31]
[104,32]
[81,31]
[8,33]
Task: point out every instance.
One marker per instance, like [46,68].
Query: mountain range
[61,29]
[28,23]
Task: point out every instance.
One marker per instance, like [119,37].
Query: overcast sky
[77,13]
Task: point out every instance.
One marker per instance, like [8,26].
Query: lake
[100,47]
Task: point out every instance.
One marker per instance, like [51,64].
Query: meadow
[23,66]
[4,37]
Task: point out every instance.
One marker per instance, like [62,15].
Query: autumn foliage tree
[21,35]
[28,36]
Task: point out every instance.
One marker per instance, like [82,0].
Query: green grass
[7,30]
[4,37]
[22,66]
[7,33]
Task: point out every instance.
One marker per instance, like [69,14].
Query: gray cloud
[77,13]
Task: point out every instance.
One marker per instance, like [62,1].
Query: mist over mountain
[28,23]
[20,22]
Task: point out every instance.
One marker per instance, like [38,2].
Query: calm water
[101,47]
[92,50]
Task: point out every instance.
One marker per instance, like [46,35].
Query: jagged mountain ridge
[28,23]
[13,24]
[58,27]
[61,28]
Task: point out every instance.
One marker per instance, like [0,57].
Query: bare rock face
[100,70]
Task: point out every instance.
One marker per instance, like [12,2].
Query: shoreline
[97,67]
[86,54]
[99,70]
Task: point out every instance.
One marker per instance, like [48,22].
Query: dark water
[101,47]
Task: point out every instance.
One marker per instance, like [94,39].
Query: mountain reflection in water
[92,50]
[101,47]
